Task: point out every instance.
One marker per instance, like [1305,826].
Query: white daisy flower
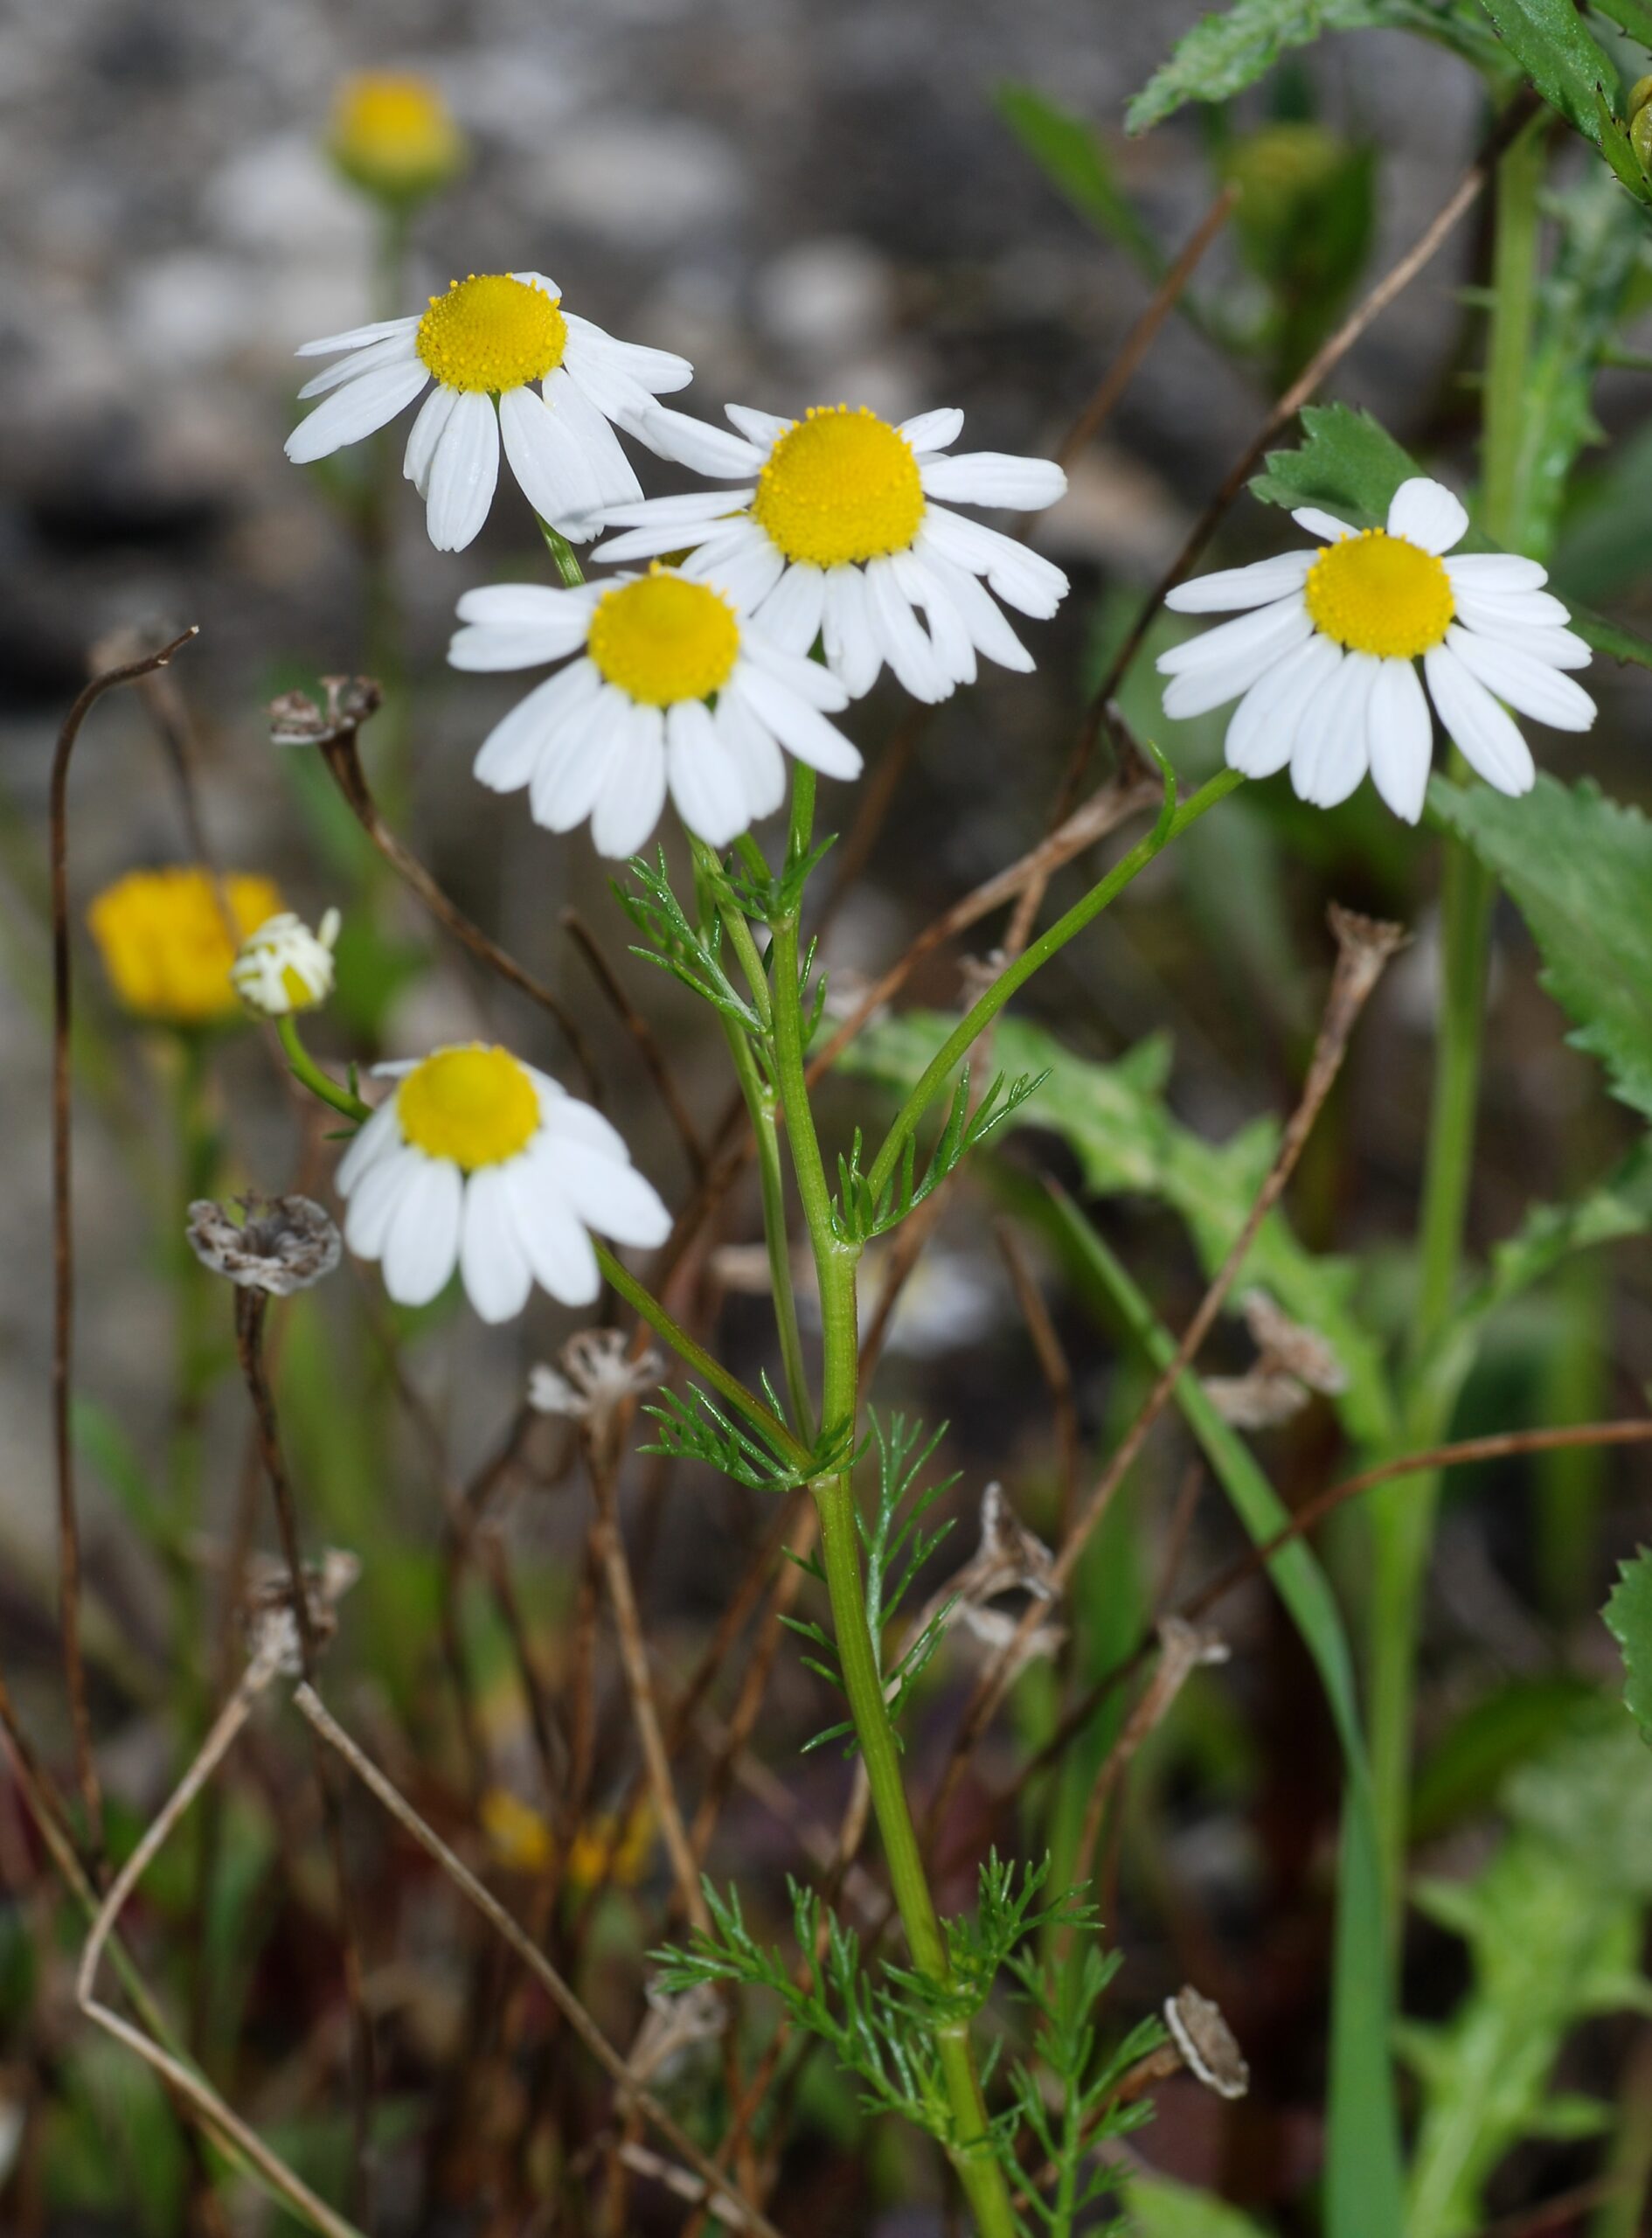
[283,966]
[477,1160]
[1323,661]
[508,361]
[674,688]
[841,527]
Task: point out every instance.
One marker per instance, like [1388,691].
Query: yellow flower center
[1377,593]
[166,947]
[476,1106]
[840,485]
[664,638]
[492,333]
[393,134]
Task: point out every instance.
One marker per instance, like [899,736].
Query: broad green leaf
[1160,2209]
[1224,53]
[1569,69]
[1580,866]
[1070,154]
[1116,1118]
[1363,2174]
[1620,1207]
[1628,1618]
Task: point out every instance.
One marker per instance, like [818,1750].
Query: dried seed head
[595,1378]
[285,1244]
[271,1618]
[1256,1401]
[1207,2043]
[295,718]
[1287,1346]
[1009,1562]
[672,2026]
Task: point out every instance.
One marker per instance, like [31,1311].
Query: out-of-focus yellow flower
[601,1850]
[391,134]
[166,947]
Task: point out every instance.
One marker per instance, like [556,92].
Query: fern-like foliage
[691,953]
[696,1429]
[860,1213]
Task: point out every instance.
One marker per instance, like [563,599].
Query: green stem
[836,1260]
[643,1301]
[1173,821]
[563,553]
[1402,1514]
[304,1068]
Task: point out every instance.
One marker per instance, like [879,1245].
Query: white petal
[491,1260]
[612,1197]
[633,793]
[377,1196]
[933,431]
[356,410]
[1400,738]
[991,633]
[993,478]
[805,679]
[571,771]
[425,433]
[755,752]
[612,471]
[511,751]
[1543,641]
[1214,683]
[1508,611]
[397,350]
[764,428]
[567,1119]
[1327,756]
[1232,589]
[1263,625]
[423,1241]
[1426,513]
[1531,686]
[949,634]
[464,473]
[802,729]
[358,338]
[1024,579]
[693,442]
[740,562]
[904,645]
[560,631]
[1325,526]
[1488,734]
[379,1133]
[557,1248]
[1496,571]
[852,644]
[547,460]
[654,369]
[705,781]
[654,540]
[1263,728]
[697,508]
[791,613]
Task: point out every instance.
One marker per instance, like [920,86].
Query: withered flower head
[284,1244]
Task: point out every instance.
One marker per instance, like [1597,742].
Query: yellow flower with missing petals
[600,1851]
[391,134]
[166,947]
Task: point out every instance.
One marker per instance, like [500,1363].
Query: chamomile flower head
[673,687]
[1322,659]
[392,135]
[166,944]
[283,966]
[477,1160]
[841,528]
[509,365]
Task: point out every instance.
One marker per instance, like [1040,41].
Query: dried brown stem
[63,1230]
[631,2091]
[643,1033]
[1053,1362]
[1363,948]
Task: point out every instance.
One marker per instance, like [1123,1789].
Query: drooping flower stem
[1403,1514]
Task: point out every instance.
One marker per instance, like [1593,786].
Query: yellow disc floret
[840,486]
[391,133]
[491,333]
[166,946]
[475,1105]
[1378,593]
[663,638]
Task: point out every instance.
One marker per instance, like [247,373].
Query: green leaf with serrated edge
[1363,2168]
[1560,57]
[1114,1117]
[1224,53]
[1070,154]
[1580,866]
[1621,1205]
[1628,1618]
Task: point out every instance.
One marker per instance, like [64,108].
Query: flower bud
[283,966]
[393,135]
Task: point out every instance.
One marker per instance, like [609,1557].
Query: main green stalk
[1402,1514]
